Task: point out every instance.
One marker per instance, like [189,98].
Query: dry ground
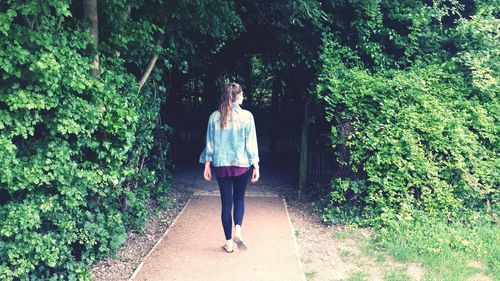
[338,252]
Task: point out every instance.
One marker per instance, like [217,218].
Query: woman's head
[230,93]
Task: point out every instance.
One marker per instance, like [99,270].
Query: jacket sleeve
[251,143]
[208,151]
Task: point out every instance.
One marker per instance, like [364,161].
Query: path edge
[136,271]
[295,244]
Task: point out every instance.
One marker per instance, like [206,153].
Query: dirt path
[326,252]
[191,250]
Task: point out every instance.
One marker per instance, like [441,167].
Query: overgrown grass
[447,251]
[397,275]
[311,275]
[358,276]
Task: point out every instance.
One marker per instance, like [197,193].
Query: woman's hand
[207,174]
[255,175]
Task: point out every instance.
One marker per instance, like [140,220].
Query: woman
[231,149]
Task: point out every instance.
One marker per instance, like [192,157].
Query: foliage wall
[84,158]
[415,101]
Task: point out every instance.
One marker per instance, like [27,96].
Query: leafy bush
[70,179]
[425,137]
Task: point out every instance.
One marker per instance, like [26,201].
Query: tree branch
[146,74]
[150,67]
[29,23]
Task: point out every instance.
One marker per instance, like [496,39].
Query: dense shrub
[83,150]
[73,176]
[425,137]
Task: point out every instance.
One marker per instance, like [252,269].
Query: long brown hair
[227,97]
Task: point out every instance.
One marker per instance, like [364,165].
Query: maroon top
[230,171]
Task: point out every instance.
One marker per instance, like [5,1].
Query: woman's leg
[226,194]
[240,184]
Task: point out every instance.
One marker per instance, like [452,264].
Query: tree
[91,20]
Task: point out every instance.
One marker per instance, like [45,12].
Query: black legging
[227,197]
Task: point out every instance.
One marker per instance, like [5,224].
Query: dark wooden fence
[321,164]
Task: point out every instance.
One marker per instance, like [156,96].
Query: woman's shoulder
[247,114]
[214,115]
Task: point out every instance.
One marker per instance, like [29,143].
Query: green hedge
[425,137]
[73,177]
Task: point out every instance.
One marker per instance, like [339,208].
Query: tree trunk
[277,88]
[90,19]
[304,143]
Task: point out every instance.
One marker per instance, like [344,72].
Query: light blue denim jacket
[236,145]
